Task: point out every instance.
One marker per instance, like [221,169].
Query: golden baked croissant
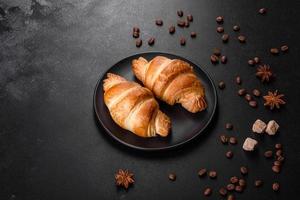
[172,81]
[134,107]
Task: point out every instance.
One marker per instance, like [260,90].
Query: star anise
[264,72]
[273,99]
[124,178]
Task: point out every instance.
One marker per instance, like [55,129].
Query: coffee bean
[258,183]
[253,104]
[275,186]
[262,11]
[236,28]
[172,29]
[238,188]
[181,23]
[228,126]
[244,170]
[182,41]
[268,154]
[277,163]
[256,92]
[231,197]
[172,177]
[202,172]
[138,43]
[136,29]
[224,139]
[284,48]
[278,146]
[151,41]
[242,183]
[224,59]
[274,51]
[251,62]
[232,140]
[238,80]
[256,60]
[179,13]
[242,39]
[223,191]
[135,34]
[248,97]
[193,34]
[242,92]
[214,59]
[225,38]
[190,18]
[186,24]
[159,22]
[279,152]
[276,169]
[229,154]
[212,174]
[280,158]
[207,191]
[234,180]
[220,19]
[220,29]
[217,51]
[230,187]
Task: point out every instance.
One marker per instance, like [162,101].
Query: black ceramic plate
[185,125]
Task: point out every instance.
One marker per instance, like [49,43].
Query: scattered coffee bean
[212,174]
[256,60]
[179,13]
[172,177]
[284,48]
[159,22]
[242,183]
[230,187]
[220,29]
[229,154]
[258,183]
[244,170]
[242,39]
[232,140]
[136,29]
[253,103]
[274,51]
[202,172]
[221,85]
[220,19]
[231,197]
[238,80]
[223,191]
[262,11]
[275,186]
[193,34]
[279,152]
[135,34]
[138,43]
[214,59]
[238,188]
[228,126]
[234,180]
[186,24]
[276,169]
[225,38]
[256,92]
[217,51]
[277,163]
[251,62]
[207,191]
[248,97]
[181,23]
[224,139]
[236,28]
[242,92]
[278,146]
[224,59]
[172,29]
[151,41]
[268,154]
[182,41]
[190,18]
[280,158]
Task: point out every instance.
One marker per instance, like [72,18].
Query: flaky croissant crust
[171,80]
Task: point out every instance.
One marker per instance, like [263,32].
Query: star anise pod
[273,99]
[124,178]
[264,72]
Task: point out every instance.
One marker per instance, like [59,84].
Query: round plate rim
[156,148]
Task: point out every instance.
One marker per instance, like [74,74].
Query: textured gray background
[53,52]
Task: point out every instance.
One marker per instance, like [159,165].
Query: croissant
[172,81]
[134,107]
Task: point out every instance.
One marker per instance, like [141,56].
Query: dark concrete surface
[53,52]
